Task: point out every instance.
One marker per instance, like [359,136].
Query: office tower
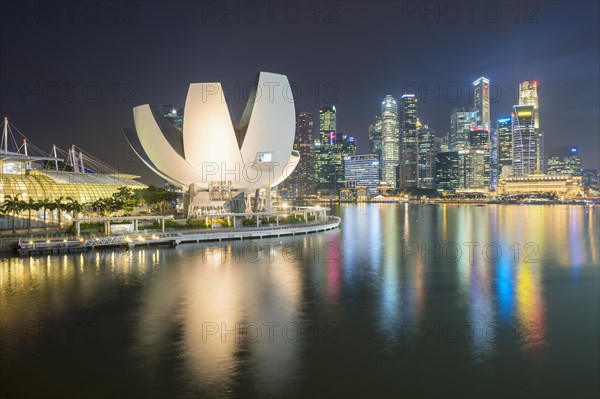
[407,178]
[565,160]
[362,170]
[344,145]
[375,136]
[481,101]
[476,173]
[426,157]
[590,179]
[446,176]
[327,122]
[504,129]
[173,116]
[473,172]
[524,140]
[389,139]
[324,148]
[461,121]
[494,173]
[528,95]
[302,180]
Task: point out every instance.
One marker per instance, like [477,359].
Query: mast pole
[5,135]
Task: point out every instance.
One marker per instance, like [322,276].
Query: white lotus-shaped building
[215,157]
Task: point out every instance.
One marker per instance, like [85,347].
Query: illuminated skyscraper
[375,137]
[389,139]
[426,157]
[302,180]
[524,140]
[461,121]
[565,160]
[408,142]
[481,101]
[325,148]
[504,129]
[447,168]
[528,95]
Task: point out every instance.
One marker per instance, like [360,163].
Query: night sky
[70,73]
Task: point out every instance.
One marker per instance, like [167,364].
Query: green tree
[12,204]
[30,205]
[74,207]
[45,204]
[60,206]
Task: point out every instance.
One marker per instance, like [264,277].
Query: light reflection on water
[373,307]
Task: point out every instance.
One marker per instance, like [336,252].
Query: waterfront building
[219,163]
[362,170]
[447,171]
[524,140]
[567,185]
[389,140]
[565,160]
[426,157]
[408,146]
[590,179]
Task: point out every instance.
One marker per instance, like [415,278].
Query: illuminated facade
[481,101]
[362,170]
[375,137]
[324,148]
[559,184]
[426,157]
[447,171]
[565,160]
[408,142]
[504,132]
[528,95]
[389,140]
[524,141]
[213,158]
[461,121]
[302,180]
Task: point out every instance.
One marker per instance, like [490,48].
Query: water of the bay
[404,300]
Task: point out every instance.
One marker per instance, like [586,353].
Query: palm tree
[44,204]
[12,204]
[30,205]
[73,206]
[60,206]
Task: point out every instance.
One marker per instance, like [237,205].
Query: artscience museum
[216,161]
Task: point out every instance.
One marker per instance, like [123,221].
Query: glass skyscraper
[362,171]
[504,129]
[408,142]
[390,140]
[481,101]
[524,141]
[528,95]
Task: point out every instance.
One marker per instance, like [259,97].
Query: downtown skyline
[360,74]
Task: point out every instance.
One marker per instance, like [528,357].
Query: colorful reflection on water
[401,292]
